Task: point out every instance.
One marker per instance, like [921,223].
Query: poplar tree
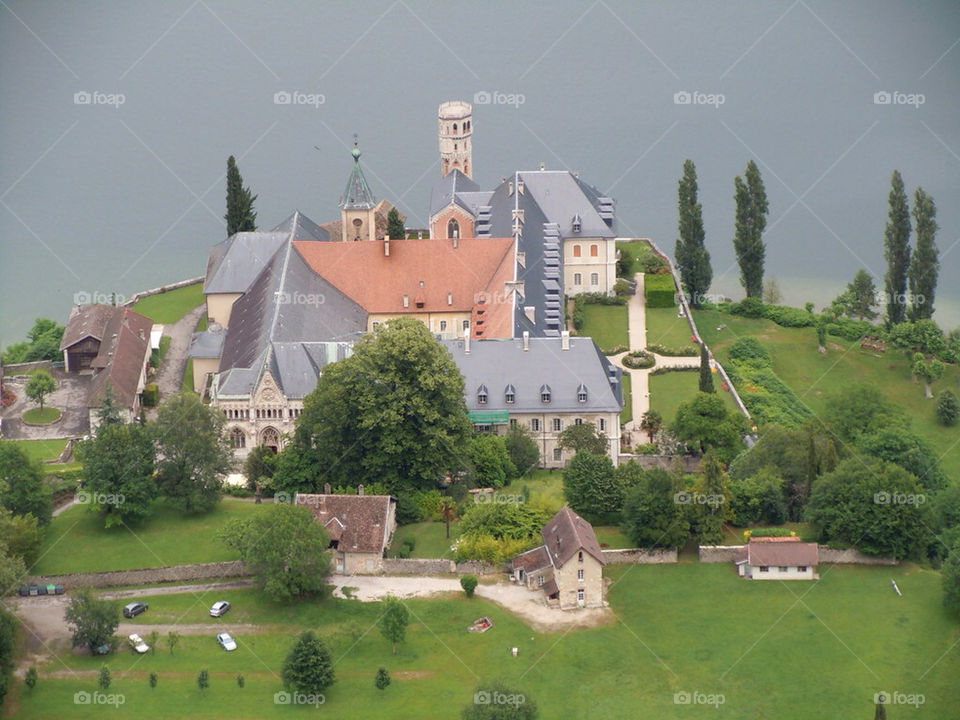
[751,220]
[925,263]
[693,260]
[897,251]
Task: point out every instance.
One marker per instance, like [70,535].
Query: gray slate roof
[447,190]
[498,363]
[207,343]
[235,262]
[299,227]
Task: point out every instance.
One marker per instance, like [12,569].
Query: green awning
[488,417]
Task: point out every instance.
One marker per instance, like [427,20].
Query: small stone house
[778,558]
[360,528]
[568,567]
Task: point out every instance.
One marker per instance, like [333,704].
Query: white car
[226,642]
[219,608]
[137,643]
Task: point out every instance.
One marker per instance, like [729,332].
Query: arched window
[482,395]
[270,438]
[576,251]
[510,395]
[238,438]
[454,127]
[453,228]
[594,250]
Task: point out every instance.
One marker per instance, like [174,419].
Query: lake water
[116,120]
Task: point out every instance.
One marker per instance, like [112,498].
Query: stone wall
[145,576]
[162,289]
[691,463]
[640,556]
[418,566]
[719,553]
[852,556]
[475,567]
[26,367]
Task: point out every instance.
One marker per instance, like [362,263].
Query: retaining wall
[640,556]
[828,555]
[24,368]
[437,566]
[145,576]
[719,553]
[691,463]
[162,289]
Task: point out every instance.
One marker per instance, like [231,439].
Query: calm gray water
[104,197]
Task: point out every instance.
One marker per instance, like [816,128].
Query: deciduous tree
[705,423]
[948,408]
[523,450]
[118,465]
[22,486]
[40,384]
[394,621]
[592,488]
[582,436]
[652,513]
[92,619]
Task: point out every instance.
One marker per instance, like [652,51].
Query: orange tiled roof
[435,277]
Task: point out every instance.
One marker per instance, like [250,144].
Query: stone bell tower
[357,216]
[455,122]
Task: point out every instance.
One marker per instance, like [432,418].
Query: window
[576,251]
[594,251]
[509,394]
[238,438]
[557,454]
[602,425]
[577,279]
[764,568]
[443,326]
[513,422]
[580,574]
[535,424]
[594,278]
[580,559]
[545,394]
[375,325]
[453,228]
[801,568]
[783,569]
[582,393]
[580,595]
[539,579]
[557,424]
[466,324]
[482,395]
[578,421]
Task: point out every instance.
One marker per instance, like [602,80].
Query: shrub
[768,532]
[639,360]
[788,316]
[469,584]
[490,550]
[646,449]
[948,408]
[659,291]
[653,264]
[151,394]
[750,350]
[659,349]
[750,307]
[621,287]
[597,298]
[663,370]
[615,350]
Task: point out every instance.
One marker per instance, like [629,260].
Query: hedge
[638,360]
[151,394]
[659,349]
[659,291]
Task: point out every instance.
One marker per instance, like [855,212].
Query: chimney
[565,340]
[526,341]
[531,312]
[449,298]
[360,490]
[326,489]
[406,300]
[386,246]
[466,341]
[542,165]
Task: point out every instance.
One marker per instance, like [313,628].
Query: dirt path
[170,374]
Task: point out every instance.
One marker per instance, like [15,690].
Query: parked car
[226,642]
[133,609]
[137,643]
[219,608]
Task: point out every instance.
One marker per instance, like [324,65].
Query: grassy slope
[606,324]
[77,541]
[41,449]
[755,643]
[665,328]
[669,390]
[170,306]
[814,376]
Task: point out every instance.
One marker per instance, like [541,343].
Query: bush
[469,584]
[750,307]
[659,291]
[750,350]
[596,298]
[664,370]
[488,549]
[653,264]
[621,287]
[768,532]
[788,316]
[639,360]
[151,394]
[615,350]
[659,349]
[646,449]
[948,408]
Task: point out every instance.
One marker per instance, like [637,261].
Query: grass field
[606,324]
[76,540]
[789,651]
[669,390]
[626,414]
[814,377]
[170,306]
[430,539]
[638,250]
[665,328]
[41,416]
[41,449]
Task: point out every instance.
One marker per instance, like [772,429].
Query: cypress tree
[925,263]
[751,220]
[240,215]
[897,251]
[395,228]
[706,376]
[693,260]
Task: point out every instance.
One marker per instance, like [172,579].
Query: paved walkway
[70,398]
[170,374]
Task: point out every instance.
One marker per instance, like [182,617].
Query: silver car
[226,642]
[219,608]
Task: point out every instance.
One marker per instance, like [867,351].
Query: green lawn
[626,414]
[76,540]
[669,390]
[187,384]
[170,306]
[430,539]
[41,449]
[763,646]
[545,485]
[813,377]
[41,416]
[638,250]
[606,324]
[609,536]
[665,328]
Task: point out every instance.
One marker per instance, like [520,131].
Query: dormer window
[582,393]
[545,394]
[482,395]
[510,395]
[576,223]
